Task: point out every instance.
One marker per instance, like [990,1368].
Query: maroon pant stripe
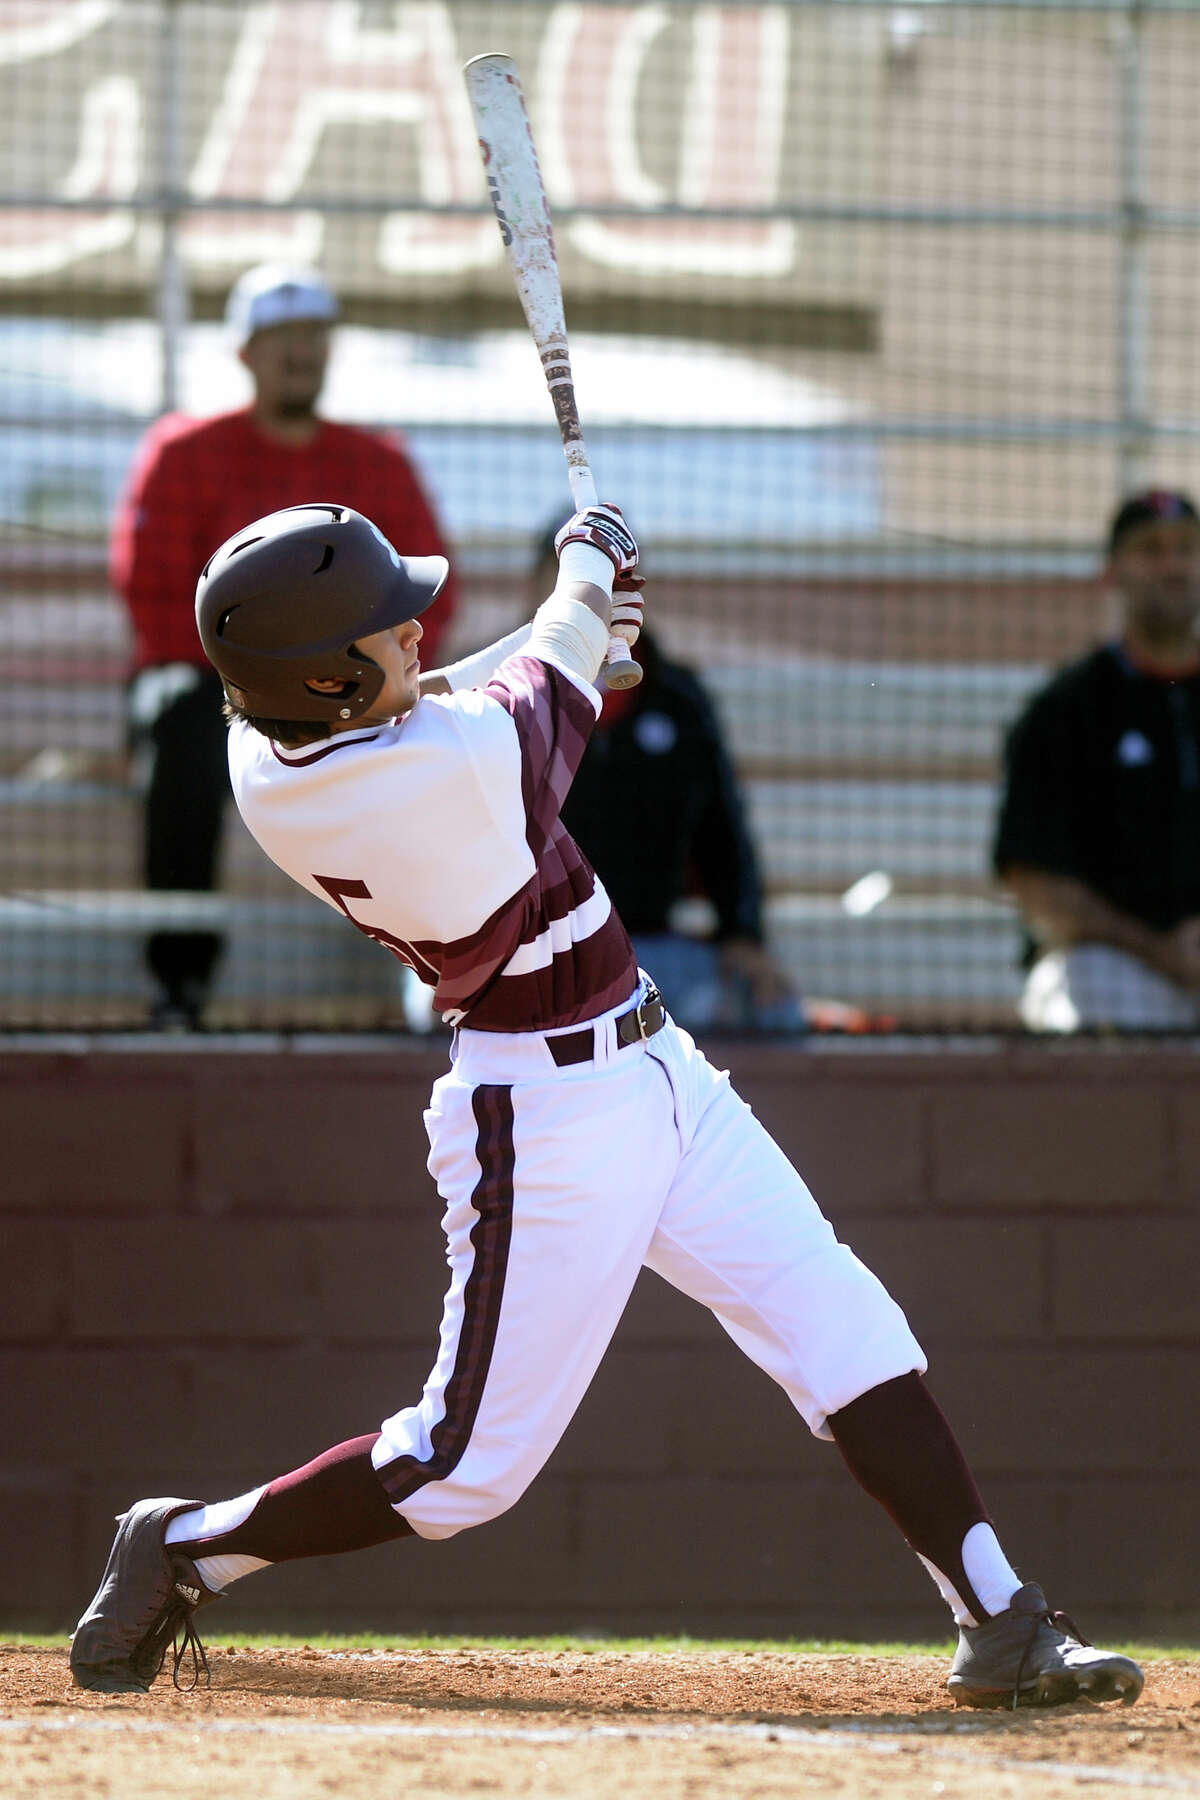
[491,1235]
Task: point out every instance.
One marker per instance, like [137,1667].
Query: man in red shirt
[193,483]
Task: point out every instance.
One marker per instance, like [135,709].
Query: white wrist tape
[570,633]
[583,562]
[477,670]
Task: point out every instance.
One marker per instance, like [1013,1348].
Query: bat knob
[622,673]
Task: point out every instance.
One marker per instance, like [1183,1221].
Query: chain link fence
[876,312]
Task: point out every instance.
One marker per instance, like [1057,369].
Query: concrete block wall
[216,1262]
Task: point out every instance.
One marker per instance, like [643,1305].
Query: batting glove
[628,606]
[603,527]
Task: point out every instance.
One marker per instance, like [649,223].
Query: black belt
[639,1023]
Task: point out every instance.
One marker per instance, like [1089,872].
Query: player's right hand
[627,607]
[603,527]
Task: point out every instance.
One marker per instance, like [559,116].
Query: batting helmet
[283,601]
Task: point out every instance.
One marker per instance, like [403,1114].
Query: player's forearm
[477,669]
[1062,911]
[585,576]
[571,627]
[584,593]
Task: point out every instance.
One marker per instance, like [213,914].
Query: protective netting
[876,313]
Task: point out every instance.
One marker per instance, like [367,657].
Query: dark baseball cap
[1145,508]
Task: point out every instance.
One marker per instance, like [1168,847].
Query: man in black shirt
[1099,832]
[656,808]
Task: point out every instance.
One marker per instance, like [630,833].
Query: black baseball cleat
[145,1602]
[1030,1656]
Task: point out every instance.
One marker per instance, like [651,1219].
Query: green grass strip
[16,1635]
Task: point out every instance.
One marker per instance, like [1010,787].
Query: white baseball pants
[560,1184]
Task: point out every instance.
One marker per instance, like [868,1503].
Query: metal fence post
[1134,318]
[172,281]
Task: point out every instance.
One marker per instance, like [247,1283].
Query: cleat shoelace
[189,1639]
[1061,1622]
[176,1629]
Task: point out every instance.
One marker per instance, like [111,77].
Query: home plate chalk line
[884,1740]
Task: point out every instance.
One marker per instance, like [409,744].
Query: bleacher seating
[850,769]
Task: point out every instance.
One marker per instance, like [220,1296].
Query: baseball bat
[515,184]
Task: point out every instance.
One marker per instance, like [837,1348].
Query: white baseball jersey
[438,835]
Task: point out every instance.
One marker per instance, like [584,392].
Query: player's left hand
[603,527]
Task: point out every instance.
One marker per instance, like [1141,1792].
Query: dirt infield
[433,1725]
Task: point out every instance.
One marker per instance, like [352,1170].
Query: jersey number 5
[340,891]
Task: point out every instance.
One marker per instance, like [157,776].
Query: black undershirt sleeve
[722,850]
[1042,820]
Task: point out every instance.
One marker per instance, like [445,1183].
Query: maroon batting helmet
[284,600]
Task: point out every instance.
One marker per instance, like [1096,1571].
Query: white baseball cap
[275,294]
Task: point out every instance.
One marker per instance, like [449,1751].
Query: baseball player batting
[577,1136]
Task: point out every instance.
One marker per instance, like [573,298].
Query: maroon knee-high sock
[336,1502]
[898,1445]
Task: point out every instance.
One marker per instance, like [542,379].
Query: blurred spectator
[194,483]
[655,808]
[1099,832]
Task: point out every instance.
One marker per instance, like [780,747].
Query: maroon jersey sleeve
[553,720]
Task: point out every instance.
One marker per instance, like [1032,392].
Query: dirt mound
[601,1726]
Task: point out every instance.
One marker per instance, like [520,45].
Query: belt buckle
[648,1012]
